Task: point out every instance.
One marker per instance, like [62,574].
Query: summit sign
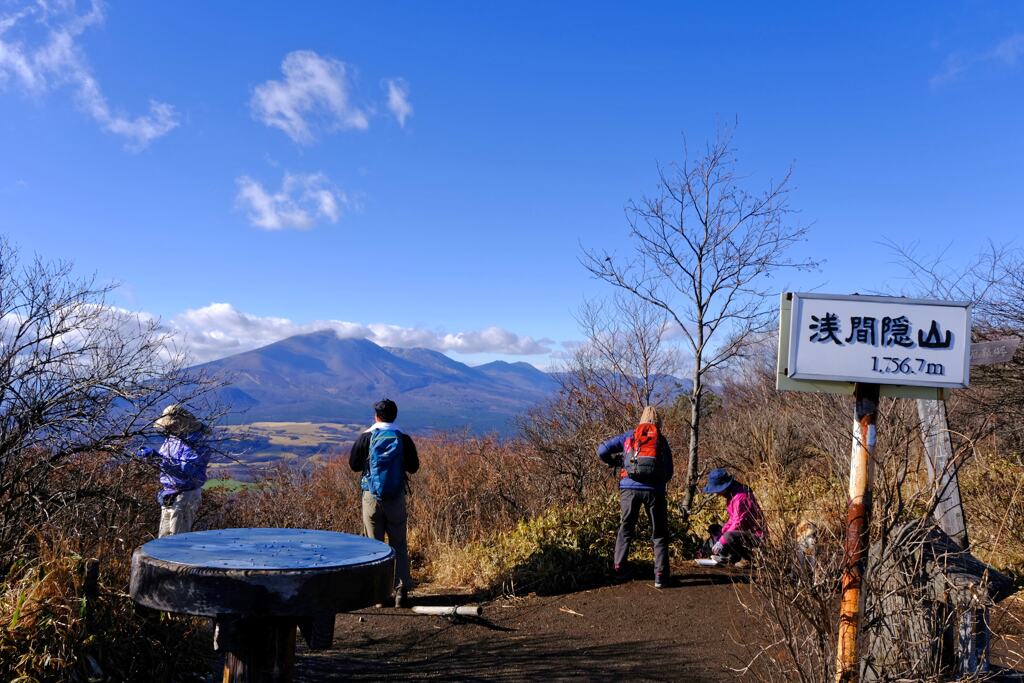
[878,340]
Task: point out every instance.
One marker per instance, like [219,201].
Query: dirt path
[632,631]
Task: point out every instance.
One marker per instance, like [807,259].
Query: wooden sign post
[868,346]
[858,519]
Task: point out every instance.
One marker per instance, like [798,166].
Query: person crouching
[645,461]
[735,541]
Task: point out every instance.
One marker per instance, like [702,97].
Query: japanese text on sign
[880,340]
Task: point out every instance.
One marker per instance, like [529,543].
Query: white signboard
[878,340]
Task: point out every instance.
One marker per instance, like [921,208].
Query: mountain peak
[321,377]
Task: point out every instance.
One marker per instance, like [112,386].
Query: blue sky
[427,173]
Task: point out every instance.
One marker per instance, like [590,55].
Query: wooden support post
[258,649]
[90,590]
[949,512]
[858,522]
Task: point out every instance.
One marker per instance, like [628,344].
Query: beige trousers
[389,516]
[177,518]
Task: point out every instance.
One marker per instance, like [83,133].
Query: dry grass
[467,489]
[562,548]
[483,513]
[49,631]
[992,488]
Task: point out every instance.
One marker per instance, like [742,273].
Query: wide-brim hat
[178,421]
[718,480]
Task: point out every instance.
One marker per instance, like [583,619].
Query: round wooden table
[259,585]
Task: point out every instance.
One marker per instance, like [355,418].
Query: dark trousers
[631,500]
[739,545]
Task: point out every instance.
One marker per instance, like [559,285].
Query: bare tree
[626,352]
[993,281]
[622,365]
[561,435]
[77,377]
[703,251]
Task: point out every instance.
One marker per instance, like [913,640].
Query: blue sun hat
[718,480]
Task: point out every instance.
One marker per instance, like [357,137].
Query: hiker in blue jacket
[641,485]
[184,456]
[385,456]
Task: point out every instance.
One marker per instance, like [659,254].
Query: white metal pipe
[443,611]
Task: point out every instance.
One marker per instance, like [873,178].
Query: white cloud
[492,339]
[302,200]
[40,63]
[954,67]
[1008,53]
[398,99]
[219,330]
[19,185]
[1010,50]
[315,92]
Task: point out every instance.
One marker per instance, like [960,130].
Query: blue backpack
[385,475]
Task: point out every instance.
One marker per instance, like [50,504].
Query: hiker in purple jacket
[744,530]
[184,456]
[635,494]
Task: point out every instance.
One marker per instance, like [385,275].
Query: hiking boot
[402,597]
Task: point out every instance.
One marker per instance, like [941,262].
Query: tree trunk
[692,463]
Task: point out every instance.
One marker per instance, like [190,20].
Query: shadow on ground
[516,656]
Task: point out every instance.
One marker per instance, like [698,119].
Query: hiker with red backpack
[385,456]
[644,460]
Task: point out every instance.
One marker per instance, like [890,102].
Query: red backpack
[640,460]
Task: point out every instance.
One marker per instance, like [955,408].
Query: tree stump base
[927,607]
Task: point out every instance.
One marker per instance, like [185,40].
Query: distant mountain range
[320,377]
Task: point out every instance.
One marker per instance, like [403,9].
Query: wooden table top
[266,549]
[262,572]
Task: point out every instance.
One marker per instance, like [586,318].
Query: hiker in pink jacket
[744,530]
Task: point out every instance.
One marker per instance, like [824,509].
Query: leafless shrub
[80,385]
[907,581]
[794,593]
[624,363]
[467,488]
[77,376]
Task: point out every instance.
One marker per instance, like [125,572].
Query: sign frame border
[791,360]
[784,382]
